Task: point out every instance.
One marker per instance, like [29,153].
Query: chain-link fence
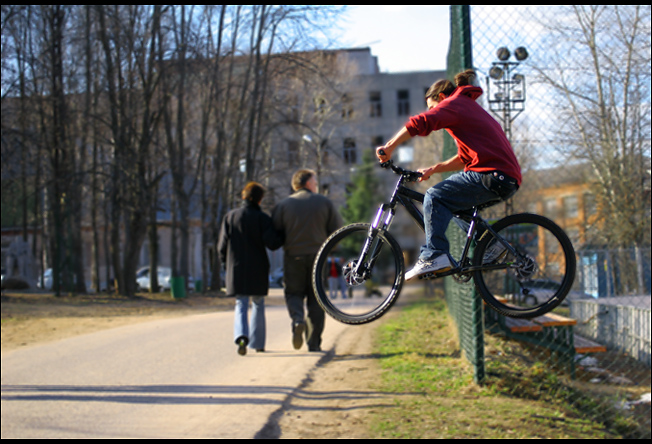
[571,87]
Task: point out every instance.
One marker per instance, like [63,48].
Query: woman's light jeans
[254,330]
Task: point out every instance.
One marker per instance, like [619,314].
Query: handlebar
[409,176]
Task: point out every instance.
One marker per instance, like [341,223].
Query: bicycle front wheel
[358,274]
[531,278]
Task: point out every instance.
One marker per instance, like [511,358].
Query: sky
[404,38]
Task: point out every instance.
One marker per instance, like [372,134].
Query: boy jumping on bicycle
[491,170]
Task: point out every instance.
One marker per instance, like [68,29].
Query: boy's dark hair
[446,86]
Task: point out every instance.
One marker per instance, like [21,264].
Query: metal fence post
[465,305]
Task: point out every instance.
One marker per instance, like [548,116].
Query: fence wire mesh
[571,87]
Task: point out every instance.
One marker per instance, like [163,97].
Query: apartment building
[365,109]
[346,109]
[332,127]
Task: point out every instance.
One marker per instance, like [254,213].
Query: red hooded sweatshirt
[481,142]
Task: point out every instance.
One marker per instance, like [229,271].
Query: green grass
[422,362]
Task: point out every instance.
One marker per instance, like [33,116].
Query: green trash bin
[178,287]
[198,286]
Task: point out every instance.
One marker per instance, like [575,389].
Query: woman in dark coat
[245,234]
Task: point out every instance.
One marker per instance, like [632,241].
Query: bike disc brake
[352,279]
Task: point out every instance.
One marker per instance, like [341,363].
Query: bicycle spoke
[539,268]
[354,288]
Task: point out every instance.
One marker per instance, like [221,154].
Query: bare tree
[62,200]
[128,36]
[314,108]
[604,98]
[100,88]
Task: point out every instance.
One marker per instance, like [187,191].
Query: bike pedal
[438,273]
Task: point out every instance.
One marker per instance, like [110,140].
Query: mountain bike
[523,265]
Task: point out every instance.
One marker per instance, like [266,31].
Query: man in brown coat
[306,219]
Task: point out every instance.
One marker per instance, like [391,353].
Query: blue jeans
[461,191]
[254,336]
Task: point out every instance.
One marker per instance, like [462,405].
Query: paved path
[172,378]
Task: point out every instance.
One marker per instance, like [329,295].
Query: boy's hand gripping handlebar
[409,176]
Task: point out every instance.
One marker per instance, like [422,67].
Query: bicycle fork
[373,245]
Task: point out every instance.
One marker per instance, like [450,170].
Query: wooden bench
[585,346]
[554,320]
[551,330]
[521,325]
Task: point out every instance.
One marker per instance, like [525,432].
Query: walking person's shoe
[297,335]
[242,346]
[439,264]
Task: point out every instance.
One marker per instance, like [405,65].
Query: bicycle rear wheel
[533,281]
[360,294]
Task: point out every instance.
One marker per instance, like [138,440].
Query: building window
[377,141]
[570,207]
[550,207]
[403,98]
[320,105]
[375,104]
[590,207]
[350,153]
[347,107]
[293,153]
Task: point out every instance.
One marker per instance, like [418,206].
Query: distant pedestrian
[245,234]
[335,278]
[306,219]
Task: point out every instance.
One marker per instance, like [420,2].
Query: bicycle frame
[406,197]
[516,263]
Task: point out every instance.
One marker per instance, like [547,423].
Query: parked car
[163,275]
[45,281]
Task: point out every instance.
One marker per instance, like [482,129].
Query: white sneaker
[439,264]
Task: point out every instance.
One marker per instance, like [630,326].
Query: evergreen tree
[364,193]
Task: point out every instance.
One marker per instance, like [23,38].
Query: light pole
[507,97]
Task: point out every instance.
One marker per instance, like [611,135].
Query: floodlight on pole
[506,89]
[521,53]
[503,54]
[496,73]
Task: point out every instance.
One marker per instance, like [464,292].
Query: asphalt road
[172,378]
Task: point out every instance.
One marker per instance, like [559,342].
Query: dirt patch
[35,318]
[341,395]
[337,397]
